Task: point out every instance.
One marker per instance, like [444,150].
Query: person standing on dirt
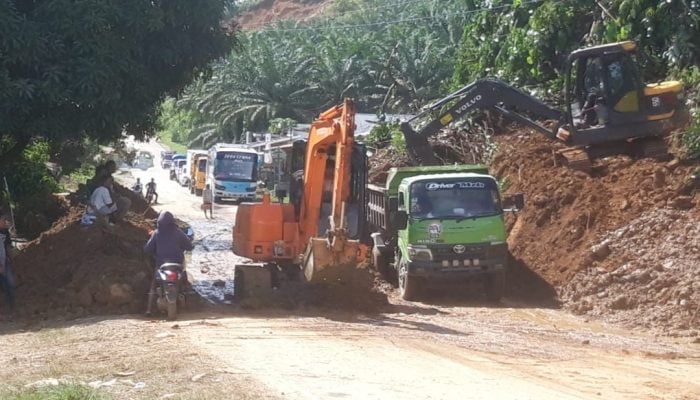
[7,282]
[207,201]
[167,244]
[151,190]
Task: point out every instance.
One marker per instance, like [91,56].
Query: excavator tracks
[581,158]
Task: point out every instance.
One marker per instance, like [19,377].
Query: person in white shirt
[102,205]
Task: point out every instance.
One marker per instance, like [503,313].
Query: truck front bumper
[234,196]
[455,269]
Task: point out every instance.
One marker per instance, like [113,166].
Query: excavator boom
[482,94]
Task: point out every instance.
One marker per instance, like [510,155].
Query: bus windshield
[235,166]
[455,198]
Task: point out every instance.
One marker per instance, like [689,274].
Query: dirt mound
[269,11]
[567,211]
[600,239]
[451,146]
[77,270]
[652,283]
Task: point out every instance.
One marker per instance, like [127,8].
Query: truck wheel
[191,189]
[238,282]
[409,286]
[495,286]
[198,192]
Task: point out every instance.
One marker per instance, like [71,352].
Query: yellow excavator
[318,231]
[608,109]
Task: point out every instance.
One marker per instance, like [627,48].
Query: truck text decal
[454,185]
[235,156]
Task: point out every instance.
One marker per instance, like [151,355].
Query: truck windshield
[454,198]
[202,165]
[234,166]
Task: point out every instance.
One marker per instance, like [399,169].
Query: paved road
[452,350]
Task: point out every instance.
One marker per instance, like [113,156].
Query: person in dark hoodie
[168,244]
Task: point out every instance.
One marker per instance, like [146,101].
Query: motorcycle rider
[151,190]
[167,244]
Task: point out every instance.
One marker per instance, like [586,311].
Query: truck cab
[199,174]
[441,224]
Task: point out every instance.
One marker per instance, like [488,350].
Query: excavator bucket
[576,158]
[322,263]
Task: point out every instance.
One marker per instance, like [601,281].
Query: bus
[232,172]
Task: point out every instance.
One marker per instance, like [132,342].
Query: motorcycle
[171,278]
[149,197]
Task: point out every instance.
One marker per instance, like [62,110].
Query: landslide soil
[270,11]
[561,234]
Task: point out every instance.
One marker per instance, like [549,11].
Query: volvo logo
[459,249]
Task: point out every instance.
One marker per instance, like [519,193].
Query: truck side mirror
[400,220]
[519,200]
[393,204]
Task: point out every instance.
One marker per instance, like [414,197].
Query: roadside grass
[167,140]
[59,392]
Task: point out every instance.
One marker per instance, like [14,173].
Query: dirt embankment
[621,243]
[269,11]
[75,270]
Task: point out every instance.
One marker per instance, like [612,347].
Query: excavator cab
[607,101]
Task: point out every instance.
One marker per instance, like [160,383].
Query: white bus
[232,172]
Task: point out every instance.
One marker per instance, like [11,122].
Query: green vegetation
[280,126]
[31,190]
[691,139]
[383,135]
[173,125]
[398,55]
[96,69]
[527,42]
[77,74]
[60,392]
[294,70]
[168,141]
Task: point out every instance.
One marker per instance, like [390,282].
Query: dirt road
[452,349]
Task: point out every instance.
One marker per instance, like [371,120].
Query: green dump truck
[440,223]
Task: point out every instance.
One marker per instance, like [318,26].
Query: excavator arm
[483,94]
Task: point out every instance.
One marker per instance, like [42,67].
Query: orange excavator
[318,232]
